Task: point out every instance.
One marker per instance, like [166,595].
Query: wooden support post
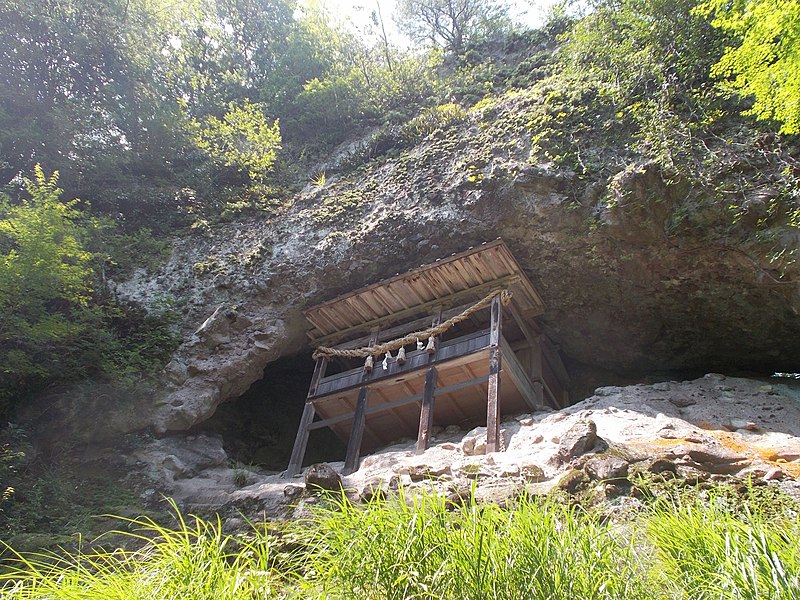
[319,373]
[351,460]
[356,434]
[493,396]
[426,412]
[537,370]
[301,441]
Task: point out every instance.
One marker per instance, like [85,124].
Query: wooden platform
[395,395]
[495,340]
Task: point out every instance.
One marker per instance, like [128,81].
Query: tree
[766,62]
[45,277]
[244,138]
[652,59]
[451,24]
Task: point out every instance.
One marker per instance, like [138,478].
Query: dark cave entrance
[259,427]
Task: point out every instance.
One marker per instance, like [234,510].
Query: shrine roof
[458,279]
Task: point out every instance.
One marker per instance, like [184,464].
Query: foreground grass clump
[193,560]
[716,551]
[417,548]
[421,548]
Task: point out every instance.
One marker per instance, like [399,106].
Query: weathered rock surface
[579,439]
[621,293]
[632,420]
[605,468]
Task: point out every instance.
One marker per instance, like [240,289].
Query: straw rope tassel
[431,347]
[368,364]
[401,355]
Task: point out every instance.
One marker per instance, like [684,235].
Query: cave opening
[259,427]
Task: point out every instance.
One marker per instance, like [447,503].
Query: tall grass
[712,550]
[191,561]
[418,547]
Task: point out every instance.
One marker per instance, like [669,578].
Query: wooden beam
[380,322]
[457,349]
[514,370]
[356,433]
[408,424]
[351,460]
[454,387]
[493,396]
[426,412]
[402,329]
[319,373]
[370,410]
[399,402]
[555,362]
[301,441]
[530,336]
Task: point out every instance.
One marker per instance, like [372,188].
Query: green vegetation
[424,547]
[178,116]
[766,60]
[58,323]
[167,118]
[243,138]
[452,24]
[44,280]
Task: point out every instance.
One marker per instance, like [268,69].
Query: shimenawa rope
[367,351]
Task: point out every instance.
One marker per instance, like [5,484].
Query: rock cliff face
[613,445]
[637,281]
[626,291]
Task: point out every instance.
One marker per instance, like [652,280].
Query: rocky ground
[711,429]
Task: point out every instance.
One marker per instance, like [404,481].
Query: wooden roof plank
[467,279]
[392,302]
[373,298]
[420,288]
[358,309]
[399,316]
[328,319]
[413,272]
[459,275]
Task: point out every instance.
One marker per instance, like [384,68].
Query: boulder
[532,473]
[605,468]
[322,477]
[572,481]
[423,472]
[579,439]
[662,465]
[293,491]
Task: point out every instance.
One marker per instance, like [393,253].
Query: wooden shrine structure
[454,342]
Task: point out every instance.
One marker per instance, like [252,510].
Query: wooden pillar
[426,411]
[301,440]
[351,460]
[493,397]
[537,371]
[356,433]
[535,342]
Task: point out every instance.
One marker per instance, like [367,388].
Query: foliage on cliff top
[59,324]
